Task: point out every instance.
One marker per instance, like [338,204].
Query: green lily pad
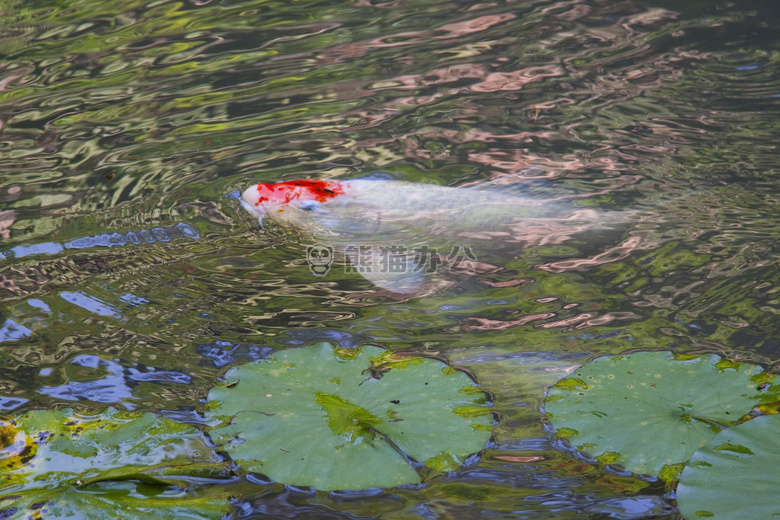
[348,418]
[734,476]
[648,410]
[59,460]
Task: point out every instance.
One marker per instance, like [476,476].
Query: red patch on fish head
[286,192]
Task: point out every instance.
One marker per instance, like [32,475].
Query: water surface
[130,276]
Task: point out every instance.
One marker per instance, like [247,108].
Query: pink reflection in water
[585,320]
[471,324]
[612,254]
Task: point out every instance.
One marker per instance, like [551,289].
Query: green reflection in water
[124,116]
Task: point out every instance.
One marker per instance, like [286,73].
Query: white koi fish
[358,217]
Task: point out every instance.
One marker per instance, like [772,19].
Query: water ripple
[127,277]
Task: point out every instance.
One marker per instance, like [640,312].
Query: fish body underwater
[368,216]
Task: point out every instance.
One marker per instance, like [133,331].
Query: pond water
[131,277]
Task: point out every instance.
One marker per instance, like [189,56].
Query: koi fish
[361,217]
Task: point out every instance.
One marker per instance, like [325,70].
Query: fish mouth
[258,211]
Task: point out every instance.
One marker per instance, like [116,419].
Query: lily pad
[333,418]
[734,476]
[649,410]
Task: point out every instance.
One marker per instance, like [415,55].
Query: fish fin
[528,182]
[354,223]
[378,176]
[395,271]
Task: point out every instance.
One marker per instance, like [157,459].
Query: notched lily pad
[734,476]
[653,409]
[348,419]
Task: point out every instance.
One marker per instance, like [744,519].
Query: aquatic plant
[650,410]
[335,418]
[66,464]
[734,476]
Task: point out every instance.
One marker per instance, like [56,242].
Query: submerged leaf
[734,476]
[324,418]
[652,409]
[63,464]
[69,448]
[127,500]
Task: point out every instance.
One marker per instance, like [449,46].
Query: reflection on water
[130,276]
[113,387]
[157,234]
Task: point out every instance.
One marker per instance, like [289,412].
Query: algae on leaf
[734,476]
[649,410]
[333,418]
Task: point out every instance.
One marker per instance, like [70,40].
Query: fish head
[288,202]
[340,215]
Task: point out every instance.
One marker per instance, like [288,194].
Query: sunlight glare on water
[131,276]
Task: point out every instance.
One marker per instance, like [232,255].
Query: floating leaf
[734,476]
[348,419]
[653,409]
